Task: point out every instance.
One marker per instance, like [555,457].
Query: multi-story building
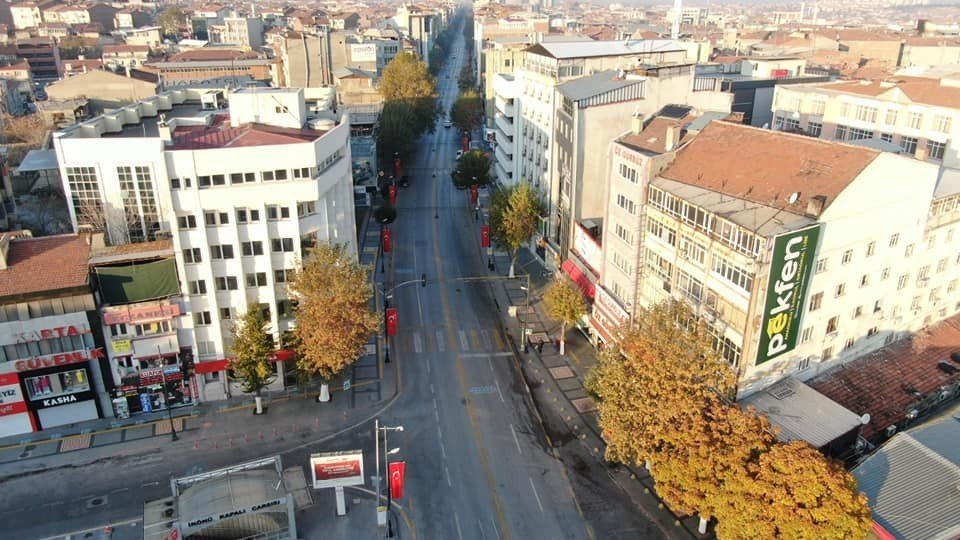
[801,254]
[118,57]
[51,351]
[16,88]
[26,15]
[420,26]
[305,59]
[244,193]
[916,116]
[43,54]
[494,27]
[246,32]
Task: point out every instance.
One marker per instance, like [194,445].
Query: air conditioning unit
[891,430]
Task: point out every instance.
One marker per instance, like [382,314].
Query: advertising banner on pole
[391,321]
[396,168]
[337,469]
[393,195]
[386,240]
[485,236]
[398,471]
[791,266]
[474,195]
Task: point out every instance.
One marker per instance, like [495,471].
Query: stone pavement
[568,411]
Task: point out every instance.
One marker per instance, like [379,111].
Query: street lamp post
[386,335]
[166,397]
[523,318]
[383,513]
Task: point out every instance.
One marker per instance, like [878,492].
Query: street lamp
[383,513]
[523,319]
[166,397]
[386,337]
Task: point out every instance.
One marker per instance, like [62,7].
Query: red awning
[211,366]
[579,278]
[283,355]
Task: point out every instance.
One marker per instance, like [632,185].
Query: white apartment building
[25,15]
[245,32]
[244,193]
[916,116]
[802,254]
[506,111]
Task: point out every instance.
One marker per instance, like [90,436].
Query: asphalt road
[478,464]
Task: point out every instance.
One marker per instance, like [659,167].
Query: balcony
[505,107]
[505,157]
[505,142]
[504,124]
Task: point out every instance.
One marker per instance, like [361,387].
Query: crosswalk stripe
[487,342]
[463,340]
[440,344]
[474,340]
[499,339]
[417,345]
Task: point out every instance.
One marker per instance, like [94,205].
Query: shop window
[57,384]
[118,329]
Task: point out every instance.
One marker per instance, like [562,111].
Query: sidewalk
[568,412]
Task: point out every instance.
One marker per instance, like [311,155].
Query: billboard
[337,469]
[363,52]
[791,266]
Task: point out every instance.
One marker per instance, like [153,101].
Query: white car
[459,154]
[447,124]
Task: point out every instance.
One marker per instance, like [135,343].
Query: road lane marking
[150,484]
[431,390]
[475,341]
[464,346]
[497,383]
[499,339]
[495,531]
[535,494]
[485,354]
[417,344]
[456,520]
[483,533]
[487,342]
[515,439]
[447,471]
[417,290]
[441,346]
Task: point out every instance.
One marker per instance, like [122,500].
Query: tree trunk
[324,393]
[702,527]
[513,264]
[259,401]
[563,333]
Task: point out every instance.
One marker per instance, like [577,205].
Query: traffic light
[423,280]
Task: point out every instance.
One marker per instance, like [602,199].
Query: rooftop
[597,84]
[924,90]
[766,167]
[890,382]
[220,134]
[653,138]
[49,263]
[589,49]
[912,482]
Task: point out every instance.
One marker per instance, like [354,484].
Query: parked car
[459,154]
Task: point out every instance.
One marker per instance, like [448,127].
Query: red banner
[386,240]
[466,144]
[391,321]
[396,168]
[393,195]
[474,195]
[485,236]
[398,470]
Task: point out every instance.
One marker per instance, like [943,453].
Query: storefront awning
[283,355]
[212,366]
[156,346]
[578,277]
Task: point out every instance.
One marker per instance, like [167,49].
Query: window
[283,276]
[941,265]
[832,324]
[201,318]
[873,331]
[258,279]
[924,273]
[307,208]
[814,129]
[916,120]
[622,263]
[847,256]
[218,180]
[226,283]
[915,303]
[842,133]
[279,174]
[626,204]
[936,149]
[902,282]
[877,306]
[815,301]
[624,234]
[279,245]
[175,183]
[791,124]
[690,287]
[865,280]
[275,212]
[187,222]
[857,134]
[661,231]
[894,239]
[942,123]
[57,384]
[844,109]
[891,117]
[221,251]
[226,313]
[284,309]
[242,178]
[841,290]
[858,312]
[281,109]
[206,347]
[302,172]
[909,145]
[197,287]
[821,266]
[886,137]
[693,250]
[827,353]
[806,334]
[118,329]
[871,249]
[203,182]
[803,364]
[866,114]
[909,251]
[661,267]
[732,273]
[848,343]
[628,173]
[249,249]
[192,255]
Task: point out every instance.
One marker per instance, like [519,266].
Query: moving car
[447,124]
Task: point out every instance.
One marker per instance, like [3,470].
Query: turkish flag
[466,143]
[474,195]
[393,195]
[485,236]
[391,321]
[396,167]
[398,470]
[386,240]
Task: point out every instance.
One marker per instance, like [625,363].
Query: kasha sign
[790,270]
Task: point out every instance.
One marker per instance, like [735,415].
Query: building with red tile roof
[43,266]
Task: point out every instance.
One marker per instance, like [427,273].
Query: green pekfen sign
[790,270]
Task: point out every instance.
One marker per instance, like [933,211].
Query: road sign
[346,385]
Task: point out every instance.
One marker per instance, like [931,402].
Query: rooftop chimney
[815,205]
[636,123]
[670,139]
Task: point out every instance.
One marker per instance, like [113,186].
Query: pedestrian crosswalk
[438,340]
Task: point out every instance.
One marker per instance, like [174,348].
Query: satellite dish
[865,419]
[794,197]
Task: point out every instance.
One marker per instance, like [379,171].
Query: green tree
[171,20]
[472,168]
[564,302]
[407,80]
[514,213]
[468,78]
[437,58]
[395,133]
[793,491]
[333,312]
[252,347]
[467,111]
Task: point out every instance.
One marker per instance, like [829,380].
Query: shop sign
[8,409]
[337,469]
[611,307]
[270,505]
[122,346]
[140,314]
[51,333]
[149,377]
[60,359]
[587,248]
[790,268]
[65,399]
